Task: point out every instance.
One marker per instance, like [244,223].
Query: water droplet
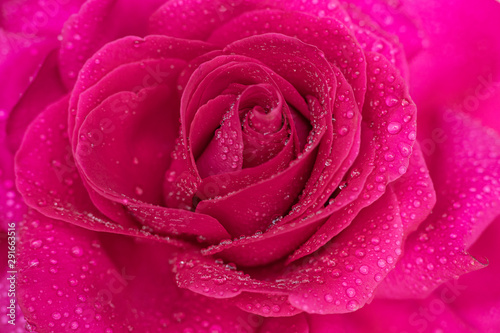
[336,273]
[33,263]
[404,149]
[359,253]
[343,130]
[351,292]
[76,251]
[394,127]
[389,156]
[352,305]
[36,244]
[364,269]
[391,101]
[328,298]
[139,190]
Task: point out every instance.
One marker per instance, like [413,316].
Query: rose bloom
[250,166]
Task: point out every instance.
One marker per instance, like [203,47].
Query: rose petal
[296,324]
[314,284]
[363,265]
[461,60]
[431,315]
[99,22]
[128,50]
[224,153]
[340,48]
[269,305]
[45,89]
[124,144]
[40,18]
[375,39]
[391,115]
[49,182]
[97,282]
[191,19]
[475,296]
[465,169]
[22,59]
[394,18]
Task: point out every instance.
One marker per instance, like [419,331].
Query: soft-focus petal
[476,296]
[45,89]
[461,60]
[382,316]
[296,324]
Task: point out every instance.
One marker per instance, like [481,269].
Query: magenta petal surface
[427,316]
[125,143]
[415,192]
[128,50]
[476,296]
[93,282]
[45,89]
[387,146]
[49,181]
[340,47]
[466,166]
[353,264]
[337,279]
[296,324]
[97,23]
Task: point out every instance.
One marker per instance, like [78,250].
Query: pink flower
[252,166]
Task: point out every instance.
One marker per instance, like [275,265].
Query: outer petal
[343,275]
[395,18]
[466,169]
[124,51]
[429,316]
[40,18]
[48,179]
[45,89]
[461,60]
[296,324]
[99,22]
[476,296]
[415,192]
[76,280]
[124,143]
[20,59]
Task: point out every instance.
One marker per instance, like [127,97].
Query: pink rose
[251,166]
